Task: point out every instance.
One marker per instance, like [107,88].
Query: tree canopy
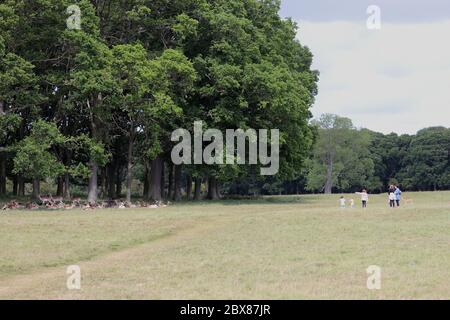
[124,75]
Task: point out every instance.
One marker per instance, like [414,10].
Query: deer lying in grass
[13,205]
[50,202]
[32,206]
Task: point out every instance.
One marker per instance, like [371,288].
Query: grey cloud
[395,11]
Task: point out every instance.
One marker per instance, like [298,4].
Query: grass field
[302,247]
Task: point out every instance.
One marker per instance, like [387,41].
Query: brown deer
[50,201]
[46,200]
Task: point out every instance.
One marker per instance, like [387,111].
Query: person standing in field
[342,202]
[398,195]
[392,199]
[364,198]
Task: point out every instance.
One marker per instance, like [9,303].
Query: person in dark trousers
[364,198]
[398,195]
[392,199]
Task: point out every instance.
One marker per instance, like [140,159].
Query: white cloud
[396,79]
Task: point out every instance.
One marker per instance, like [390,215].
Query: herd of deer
[49,202]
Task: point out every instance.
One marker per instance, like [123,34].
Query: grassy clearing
[275,248]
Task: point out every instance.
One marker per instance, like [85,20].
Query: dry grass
[275,248]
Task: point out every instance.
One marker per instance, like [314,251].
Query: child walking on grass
[342,202]
[364,198]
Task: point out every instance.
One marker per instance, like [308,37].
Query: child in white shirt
[342,202]
[392,198]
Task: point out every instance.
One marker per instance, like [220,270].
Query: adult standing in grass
[398,195]
[364,197]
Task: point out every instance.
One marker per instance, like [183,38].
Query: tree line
[346,159]
[94,106]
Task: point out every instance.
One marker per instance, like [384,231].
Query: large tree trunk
[2,174]
[170,191]
[177,184]
[163,182]
[66,178]
[36,196]
[93,179]
[66,193]
[60,187]
[155,181]
[21,182]
[103,183]
[213,189]
[93,184]
[189,187]
[118,181]
[147,180]
[15,186]
[130,164]
[198,189]
[111,180]
[329,179]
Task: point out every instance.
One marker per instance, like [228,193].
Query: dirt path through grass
[43,283]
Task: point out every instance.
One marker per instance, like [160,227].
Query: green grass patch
[270,248]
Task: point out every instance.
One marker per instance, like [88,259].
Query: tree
[148,91]
[18,91]
[132,68]
[93,85]
[427,164]
[341,157]
[388,153]
[253,73]
[34,158]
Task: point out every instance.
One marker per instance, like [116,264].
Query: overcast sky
[396,79]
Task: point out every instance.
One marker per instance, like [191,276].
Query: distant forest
[346,159]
